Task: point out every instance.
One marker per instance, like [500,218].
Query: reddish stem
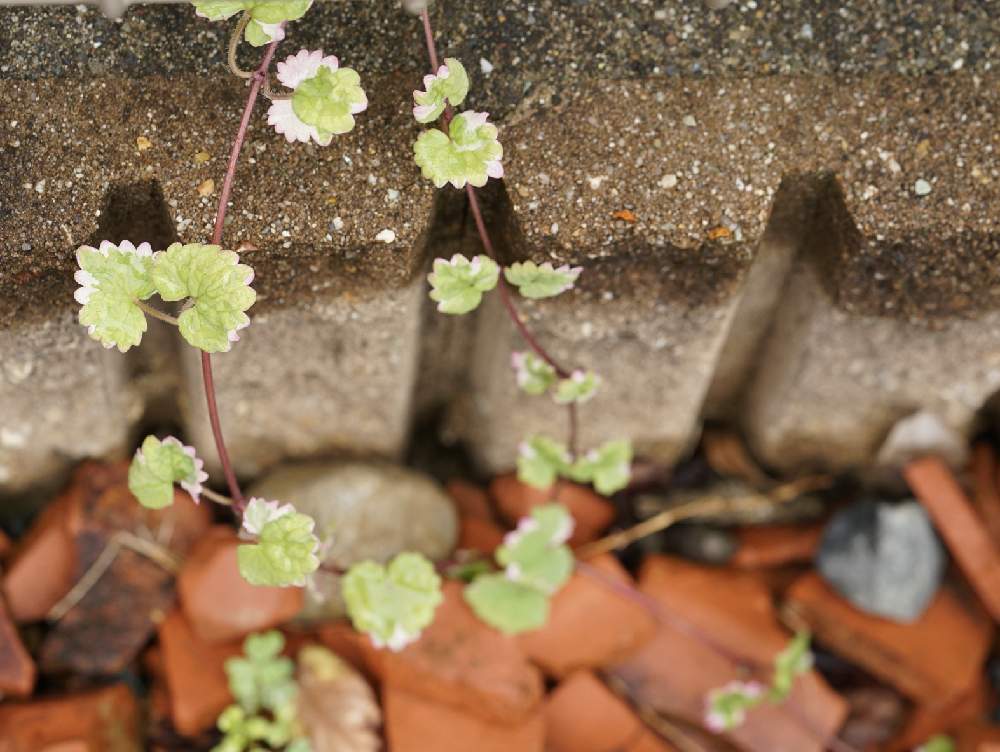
[239,502]
[484,237]
[429,38]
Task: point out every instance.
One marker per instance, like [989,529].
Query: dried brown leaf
[337,707]
[728,456]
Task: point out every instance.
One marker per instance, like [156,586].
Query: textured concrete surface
[854,144]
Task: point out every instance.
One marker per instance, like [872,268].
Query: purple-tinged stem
[239,502]
[484,237]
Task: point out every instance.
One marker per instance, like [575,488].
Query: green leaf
[938,743]
[218,10]
[276,11]
[541,281]
[468,153]
[534,375]
[727,706]
[157,465]
[112,278]
[448,86]
[328,101]
[256,35]
[579,387]
[608,468]
[535,554]
[392,604]
[795,660]
[541,461]
[284,554]
[263,678]
[458,285]
[508,606]
[217,285]
[263,11]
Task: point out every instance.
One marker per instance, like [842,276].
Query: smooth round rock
[884,558]
[363,511]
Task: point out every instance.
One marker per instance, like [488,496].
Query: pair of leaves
[285,551]
[727,707]
[541,461]
[458,283]
[535,377]
[468,153]
[448,86]
[537,562]
[158,465]
[392,604]
[114,278]
[266,16]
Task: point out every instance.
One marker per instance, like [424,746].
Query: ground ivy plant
[726,708]
[205,290]
[264,715]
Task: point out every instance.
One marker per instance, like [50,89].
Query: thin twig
[259,76]
[706,506]
[83,586]
[234,43]
[156,313]
[120,540]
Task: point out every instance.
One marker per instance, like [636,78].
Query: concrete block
[61,400]
[892,306]
[328,376]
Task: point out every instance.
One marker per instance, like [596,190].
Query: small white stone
[386,236]
[921,187]
[392,195]
[485,66]
[689,121]
[555,228]
[595,182]
[957,65]
[668,181]
[338,223]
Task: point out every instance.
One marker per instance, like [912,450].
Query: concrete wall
[778,269]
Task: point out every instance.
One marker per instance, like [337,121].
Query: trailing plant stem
[239,502]
[484,237]
[156,313]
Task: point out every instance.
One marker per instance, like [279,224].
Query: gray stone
[363,511]
[884,558]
